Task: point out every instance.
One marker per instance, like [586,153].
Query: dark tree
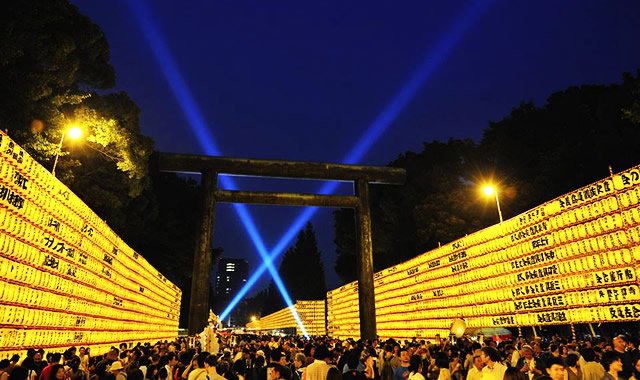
[535,154]
[302,273]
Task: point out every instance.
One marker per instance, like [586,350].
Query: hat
[260,353]
[116,366]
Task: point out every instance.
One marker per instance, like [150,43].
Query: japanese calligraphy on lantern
[65,277]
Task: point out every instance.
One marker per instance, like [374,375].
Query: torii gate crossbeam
[209,167]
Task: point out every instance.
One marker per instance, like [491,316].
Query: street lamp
[74,133]
[254,318]
[489,190]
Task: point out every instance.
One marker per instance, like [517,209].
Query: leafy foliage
[535,154]
[53,62]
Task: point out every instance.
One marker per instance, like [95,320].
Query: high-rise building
[231,277]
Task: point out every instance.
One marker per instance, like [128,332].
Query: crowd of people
[253,357]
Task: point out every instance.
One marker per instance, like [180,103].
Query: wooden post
[365,263]
[199,301]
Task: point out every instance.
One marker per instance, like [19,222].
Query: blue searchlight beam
[196,121]
[430,63]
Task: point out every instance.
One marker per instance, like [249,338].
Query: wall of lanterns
[66,279]
[571,260]
[312,315]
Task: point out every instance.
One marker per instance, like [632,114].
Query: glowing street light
[254,318]
[74,133]
[489,190]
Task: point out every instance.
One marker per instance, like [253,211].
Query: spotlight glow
[430,63]
[197,122]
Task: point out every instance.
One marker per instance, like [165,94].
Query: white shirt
[495,373]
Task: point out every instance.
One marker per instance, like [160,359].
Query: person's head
[172,358]
[321,353]
[442,360]
[611,361]
[116,367]
[113,354]
[274,371]
[572,360]
[536,349]
[29,363]
[404,357]
[334,374]
[57,372]
[298,360]
[527,352]
[490,354]
[211,361]
[556,368]
[4,364]
[19,373]
[588,354]
[620,343]
[636,367]
[37,357]
[415,364]
[163,373]
[512,373]
[477,362]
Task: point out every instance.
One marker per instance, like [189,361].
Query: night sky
[300,80]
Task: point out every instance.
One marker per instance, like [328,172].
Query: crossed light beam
[197,122]
[430,63]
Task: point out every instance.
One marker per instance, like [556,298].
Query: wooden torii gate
[209,167]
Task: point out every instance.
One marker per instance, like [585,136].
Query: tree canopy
[54,70]
[534,154]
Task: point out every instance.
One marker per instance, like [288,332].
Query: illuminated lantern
[458,327]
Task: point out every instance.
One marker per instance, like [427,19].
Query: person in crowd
[53,360]
[455,367]
[591,370]
[620,347]
[402,372]
[75,372]
[320,366]
[556,368]
[370,367]
[494,369]
[528,365]
[57,372]
[298,366]
[85,355]
[117,370]
[274,371]
[162,374]
[574,372]
[39,364]
[197,372]
[334,374]
[21,373]
[470,357]
[442,362]
[30,365]
[170,361]
[475,372]
[513,373]
[635,373]
[613,366]
[153,367]
[4,369]
[104,364]
[415,368]
[210,363]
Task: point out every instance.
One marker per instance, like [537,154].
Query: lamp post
[489,191]
[74,133]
